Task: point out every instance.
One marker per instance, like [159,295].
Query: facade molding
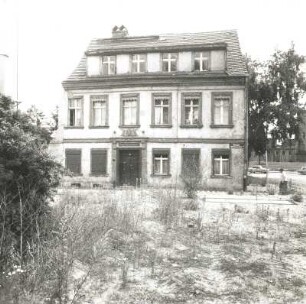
[240,141]
[160,79]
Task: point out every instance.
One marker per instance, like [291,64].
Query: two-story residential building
[139,109]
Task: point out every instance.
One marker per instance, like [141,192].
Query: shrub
[191,178]
[191,204]
[297,197]
[28,178]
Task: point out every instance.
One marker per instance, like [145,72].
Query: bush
[191,204]
[297,197]
[191,178]
[28,177]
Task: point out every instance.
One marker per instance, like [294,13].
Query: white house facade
[138,109]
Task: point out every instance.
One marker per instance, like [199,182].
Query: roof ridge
[167,35]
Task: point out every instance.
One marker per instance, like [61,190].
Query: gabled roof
[210,40]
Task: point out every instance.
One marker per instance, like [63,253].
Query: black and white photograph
[152,152]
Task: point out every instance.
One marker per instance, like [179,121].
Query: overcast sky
[53,34]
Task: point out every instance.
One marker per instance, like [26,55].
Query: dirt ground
[168,249]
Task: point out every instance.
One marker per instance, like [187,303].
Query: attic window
[93,65]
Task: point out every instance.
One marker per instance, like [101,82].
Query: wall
[208,181]
[237,132]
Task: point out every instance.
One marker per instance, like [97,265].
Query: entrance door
[129,167]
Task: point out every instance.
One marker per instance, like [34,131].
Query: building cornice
[239,141]
[160,79]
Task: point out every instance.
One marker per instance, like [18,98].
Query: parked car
[258,169]
[302,171]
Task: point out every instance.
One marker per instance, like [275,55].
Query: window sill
[221,176]
[99,175]
[222,126]
[98,127]
[129,126]
[160,126]
[191,126]
[161,175]
[74,127]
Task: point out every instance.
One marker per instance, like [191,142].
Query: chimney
[119,32]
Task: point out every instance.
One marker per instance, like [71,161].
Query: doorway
[129,167]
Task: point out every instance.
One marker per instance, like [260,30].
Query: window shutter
[73,161]
[230,111]
[98,162]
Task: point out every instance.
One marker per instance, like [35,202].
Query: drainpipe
[246,134]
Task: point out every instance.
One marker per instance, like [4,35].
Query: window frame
[189,151]
[145,63]
[157,151]
[183,109]
[81,126]
[106,161]
[194,59]
[115,65]
[230,112]
[161,95]
[127,96]
[225,152]
[99,68]
[91,117]
[66,169]
[176,61]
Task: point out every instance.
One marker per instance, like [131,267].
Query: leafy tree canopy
[275,90]
[28,176]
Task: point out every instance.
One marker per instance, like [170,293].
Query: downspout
[246,134]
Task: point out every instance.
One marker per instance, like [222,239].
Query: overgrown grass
[154,246]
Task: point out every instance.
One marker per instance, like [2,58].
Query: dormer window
[169,62]
[109,65]
[138,63]
[93,65]
[201,61]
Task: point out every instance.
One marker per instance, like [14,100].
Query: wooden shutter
[73,160]
[98,161]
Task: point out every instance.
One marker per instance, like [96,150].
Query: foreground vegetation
[155,246]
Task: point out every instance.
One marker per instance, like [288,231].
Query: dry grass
[151,246]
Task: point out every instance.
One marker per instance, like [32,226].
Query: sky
[52,35]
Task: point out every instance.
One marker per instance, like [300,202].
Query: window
[169,62]
[222,109]
[130,110]
[161,161]
[190,162]
[93,65]
[73,161]
[139,63]
[75,112]
[161,109]
[99,111]
[98,161]
[191,110]
[201,61]
[109,65]
[221,162]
